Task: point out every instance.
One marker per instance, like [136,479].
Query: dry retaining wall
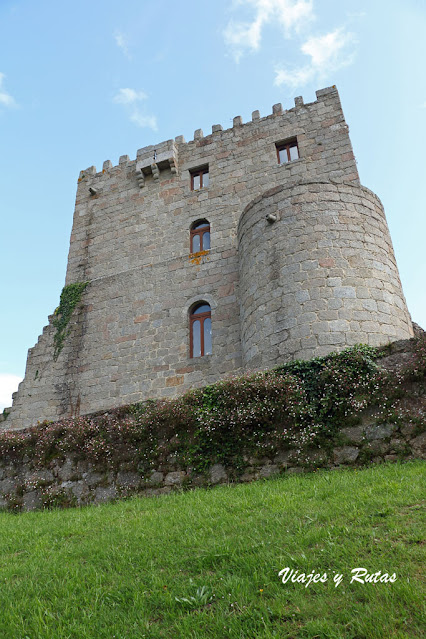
[77,483]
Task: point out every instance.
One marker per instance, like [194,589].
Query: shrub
[299,405]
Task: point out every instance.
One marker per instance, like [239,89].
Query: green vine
[70,297]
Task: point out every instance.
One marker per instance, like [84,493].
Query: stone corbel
[173,166]
[140,178]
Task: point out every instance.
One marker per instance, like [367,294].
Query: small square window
[199,178]
[287,151]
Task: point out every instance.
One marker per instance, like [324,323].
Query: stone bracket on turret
[151,160]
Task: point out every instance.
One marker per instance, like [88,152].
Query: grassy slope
[114,571]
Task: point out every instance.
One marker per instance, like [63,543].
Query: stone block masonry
[300,263]
[329,269]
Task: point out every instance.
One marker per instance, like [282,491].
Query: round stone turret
[317,273]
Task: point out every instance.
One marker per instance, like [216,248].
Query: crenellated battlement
[150,160]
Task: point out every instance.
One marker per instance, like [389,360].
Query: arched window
[200,330]
[200,236]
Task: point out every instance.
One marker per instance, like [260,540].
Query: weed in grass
[202,597]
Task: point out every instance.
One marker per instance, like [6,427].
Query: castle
[236,251]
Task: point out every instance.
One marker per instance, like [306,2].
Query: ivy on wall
[70,297]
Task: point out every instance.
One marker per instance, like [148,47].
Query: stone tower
[262,228]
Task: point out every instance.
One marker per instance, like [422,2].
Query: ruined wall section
[50,388]
[321,277]
[130,239]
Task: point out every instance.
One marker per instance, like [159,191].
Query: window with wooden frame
[287,151]
[200,330]
[199,178]
[200,236]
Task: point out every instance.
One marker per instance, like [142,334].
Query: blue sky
[84,82]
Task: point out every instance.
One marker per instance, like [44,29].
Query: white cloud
[8,385]
[325,50]
[130,99]
[129,96]
[295,78]
[149,121]
[122,43]
[289,14]
[5,98]
[328,53]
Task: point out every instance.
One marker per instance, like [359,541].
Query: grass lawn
[115,571]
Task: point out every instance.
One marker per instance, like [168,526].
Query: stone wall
[76,483]
[129,338]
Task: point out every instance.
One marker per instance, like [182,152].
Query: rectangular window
[199,178]
[287,151]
